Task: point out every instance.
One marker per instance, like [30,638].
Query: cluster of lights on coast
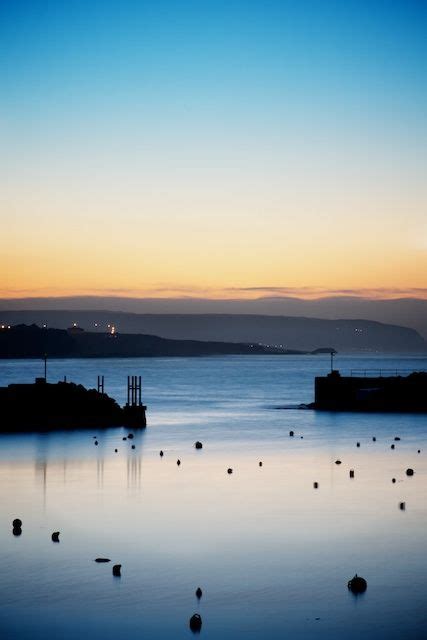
[111,328]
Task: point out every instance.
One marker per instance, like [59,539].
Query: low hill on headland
[23,341]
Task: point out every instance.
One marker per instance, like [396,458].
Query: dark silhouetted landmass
[407,312]
[289,333]
[23,341]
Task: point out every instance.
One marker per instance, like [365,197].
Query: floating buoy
[55,536]
[161,454]
[397,438]
[229,470]
[374,439]
[315,485]
[102,560]
[351,473]
[17,523]
[195,622]
[198,445]
[17,531]
[199,593]
[357,584]
[116,570]
[260,463]
[337,461]
[392,446]
[178,462]
[291,433]
[96,442]
[409,472]
[124,438]
[402,506]
[115,450]
[393,480]
[357,444]
[130,436]
[133,446]
[419,450]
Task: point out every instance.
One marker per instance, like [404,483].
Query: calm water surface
[272,555]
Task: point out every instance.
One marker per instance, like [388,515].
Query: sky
[216,149]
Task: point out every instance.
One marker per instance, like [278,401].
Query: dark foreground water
[272,554]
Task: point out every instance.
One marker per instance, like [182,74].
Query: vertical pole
[332,361]
[102,384]
[139,391]
[128,389]
[45,366]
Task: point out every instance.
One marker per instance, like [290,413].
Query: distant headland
[32,341]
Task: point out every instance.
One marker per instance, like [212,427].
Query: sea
[272,554]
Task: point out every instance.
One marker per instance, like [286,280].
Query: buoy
[358,444]
[17,523]
[55,536]
[229,470]
[161,454]
[351,473]
[178,462]
[393,480]
[102,560]
[291,433]
[260,463]
[419,450]
[374,439]
[409,472]
[130,436]
[337,461]
[397,438]
[116,570]
[198,445]
[195,622]
[357,584]
[115,450]
[16,531]
[199,593]
[402,506]
[96,442]
[315,485]
[124,438]
[133,446]
[392,446]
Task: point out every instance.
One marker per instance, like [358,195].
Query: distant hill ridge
[294,333]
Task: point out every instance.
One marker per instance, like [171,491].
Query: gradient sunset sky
[213,148]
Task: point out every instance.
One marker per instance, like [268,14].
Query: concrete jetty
[395,393]
[66,405]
